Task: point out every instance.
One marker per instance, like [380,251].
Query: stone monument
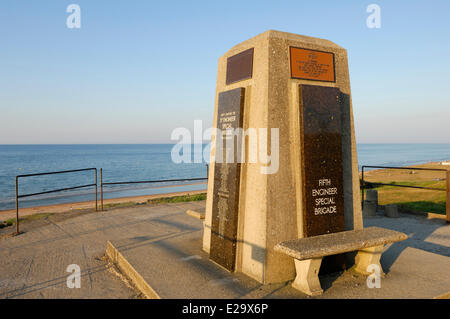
[300,86]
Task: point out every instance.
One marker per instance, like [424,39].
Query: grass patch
[434,184]
[29,218]
[178,199]
[122,205]
[414,199]
[161,200]
[367,185]
[423,207]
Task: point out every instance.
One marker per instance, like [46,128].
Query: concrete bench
[308,253]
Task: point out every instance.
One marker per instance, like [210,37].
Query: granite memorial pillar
[300,86]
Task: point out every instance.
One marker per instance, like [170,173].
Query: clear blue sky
[138,69]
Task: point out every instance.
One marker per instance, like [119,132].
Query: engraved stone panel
[321,136]
[312,65]
[240,66]
[226,179]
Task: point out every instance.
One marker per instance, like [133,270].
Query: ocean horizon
[134,162]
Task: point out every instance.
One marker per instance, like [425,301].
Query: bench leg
[307,279]
[366,257]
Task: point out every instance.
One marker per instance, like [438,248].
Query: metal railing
[18,196]
[146,182]
[52,191]
[447,177]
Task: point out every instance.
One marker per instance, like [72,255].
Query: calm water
[119,163]
[143,162]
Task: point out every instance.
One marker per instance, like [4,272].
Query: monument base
[175,267]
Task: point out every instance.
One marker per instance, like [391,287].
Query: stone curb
[128,271]
[195,214]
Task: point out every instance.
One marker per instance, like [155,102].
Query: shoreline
[65,207]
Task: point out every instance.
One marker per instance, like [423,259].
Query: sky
[136,70]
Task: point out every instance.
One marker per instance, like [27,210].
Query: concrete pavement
[33,264]
[163,244]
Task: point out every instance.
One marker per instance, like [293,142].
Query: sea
[146,162]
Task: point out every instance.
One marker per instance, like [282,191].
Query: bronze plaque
[312,65]
[321,138]
[226,180]
[240,66]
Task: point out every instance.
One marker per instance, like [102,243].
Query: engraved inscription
[223,195]
[312,65]
[226,180]
[321,160]
[325,200]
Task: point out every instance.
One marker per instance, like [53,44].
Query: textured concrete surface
[200,214]
[33,264]
[336,243]
[391,211]
[166,242]
[174,265]
[418,267]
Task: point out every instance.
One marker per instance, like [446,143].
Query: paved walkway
[33,265]
[418,267]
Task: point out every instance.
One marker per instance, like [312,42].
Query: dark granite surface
[323,200]
[240,66]
[226,182]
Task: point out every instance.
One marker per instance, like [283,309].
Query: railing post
[101,186]
[96,192]
[363,185]
[447,202]
[17,205]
